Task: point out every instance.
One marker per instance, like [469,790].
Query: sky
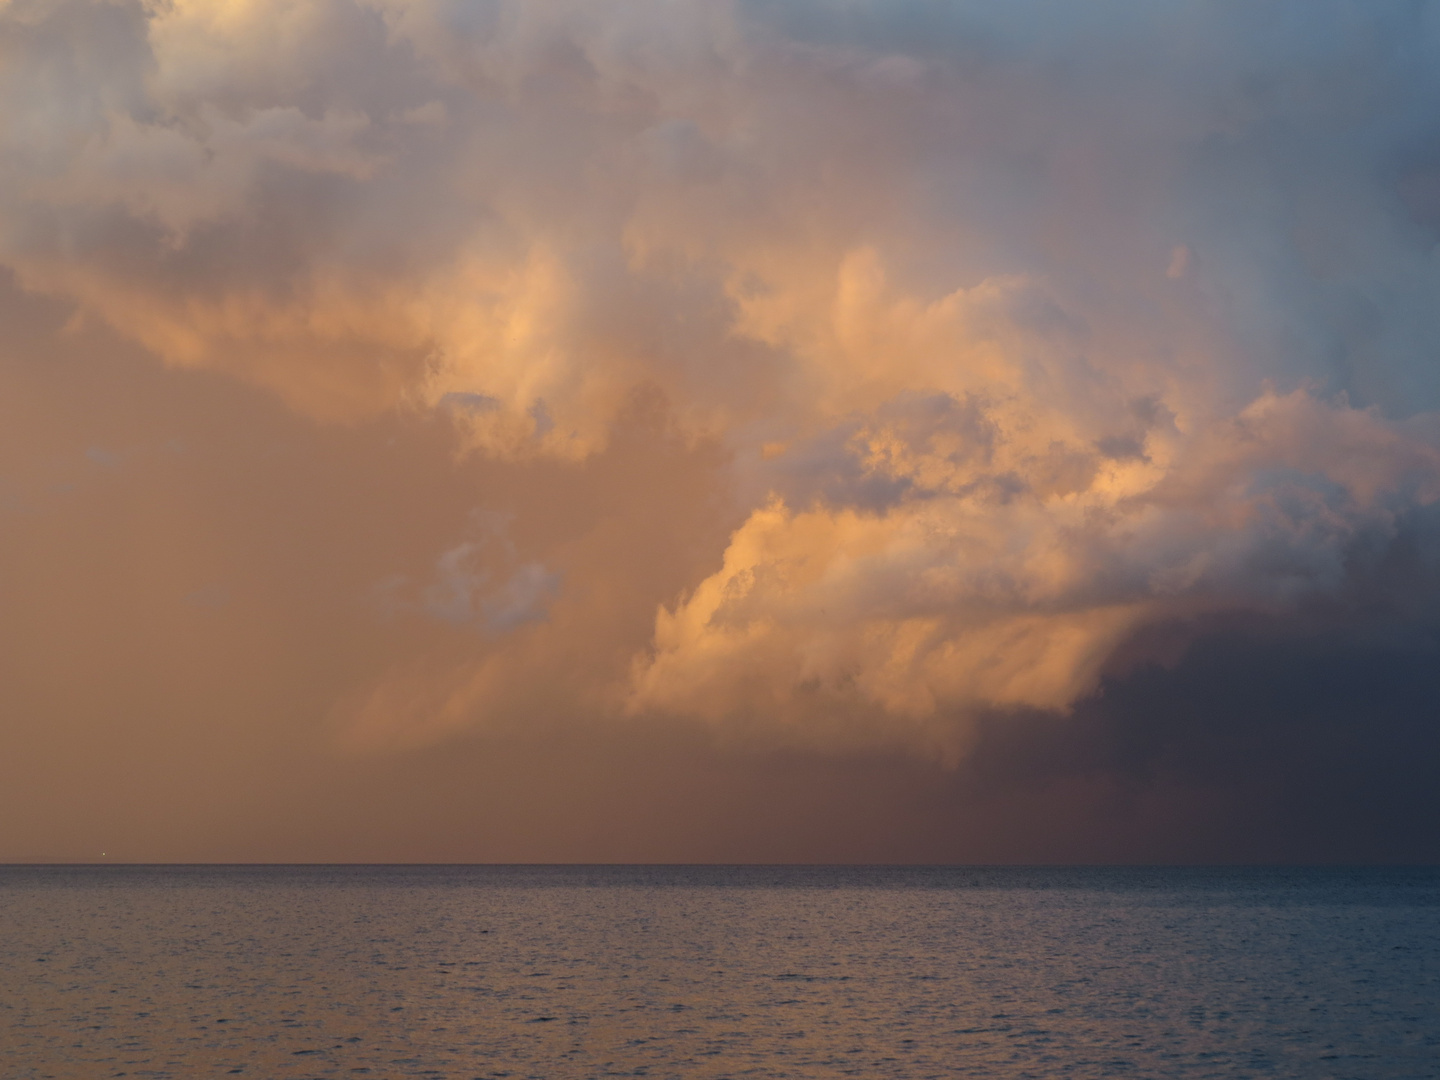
[720,430]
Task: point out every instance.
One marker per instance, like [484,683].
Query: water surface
[709,972]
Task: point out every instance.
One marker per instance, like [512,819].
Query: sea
[553,972]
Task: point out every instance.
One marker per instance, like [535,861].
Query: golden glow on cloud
[998,376]
[980,597]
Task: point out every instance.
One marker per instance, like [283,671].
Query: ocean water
[708,972]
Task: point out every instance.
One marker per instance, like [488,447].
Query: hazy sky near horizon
[819,430]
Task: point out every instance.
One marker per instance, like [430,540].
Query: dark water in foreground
[717,972]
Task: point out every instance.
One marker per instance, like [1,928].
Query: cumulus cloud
[1024,327]
[971,592]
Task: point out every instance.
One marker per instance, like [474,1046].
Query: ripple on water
[716,972]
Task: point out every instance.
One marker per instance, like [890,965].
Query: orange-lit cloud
[824,377]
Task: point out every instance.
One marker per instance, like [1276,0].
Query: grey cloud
[480,582]
[853,463]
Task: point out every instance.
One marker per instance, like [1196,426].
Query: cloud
[1022,327]
[479,582]
[106,459]
[971,594]
[466,590]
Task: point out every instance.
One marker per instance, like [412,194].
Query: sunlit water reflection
[297,972]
